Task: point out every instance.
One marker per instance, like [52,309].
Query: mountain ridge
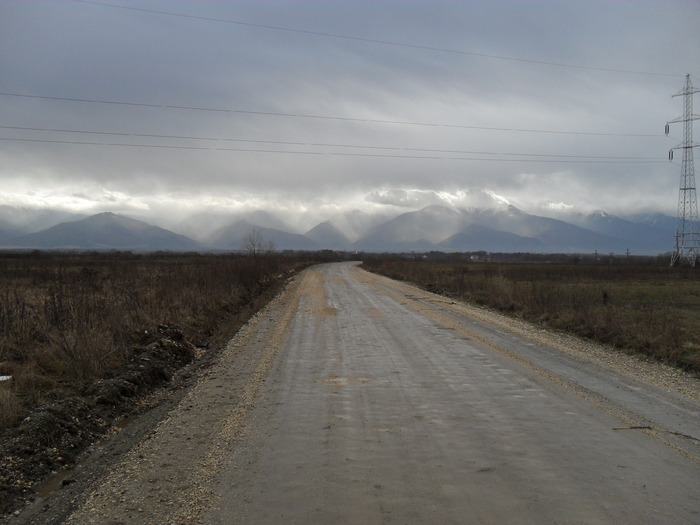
[435,227]
[105,231]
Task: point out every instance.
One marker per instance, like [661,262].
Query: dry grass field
[651,309]
[69,319]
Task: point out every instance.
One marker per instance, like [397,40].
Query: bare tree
[255,245]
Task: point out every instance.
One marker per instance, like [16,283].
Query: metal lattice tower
[687,245]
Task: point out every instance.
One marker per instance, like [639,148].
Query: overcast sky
[334,105]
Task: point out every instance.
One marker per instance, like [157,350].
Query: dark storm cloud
[424,101]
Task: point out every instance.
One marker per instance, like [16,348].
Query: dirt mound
[53,436]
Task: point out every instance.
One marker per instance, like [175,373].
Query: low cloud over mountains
[506,229]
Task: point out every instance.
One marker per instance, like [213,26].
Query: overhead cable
[335,153]
[316,144]
[322,117]
[376,41]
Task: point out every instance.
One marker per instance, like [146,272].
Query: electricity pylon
[687,245]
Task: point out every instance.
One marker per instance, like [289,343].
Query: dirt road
[356,399]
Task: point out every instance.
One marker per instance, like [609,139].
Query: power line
[323,117]
[573,160]
[376,41]
[316,144]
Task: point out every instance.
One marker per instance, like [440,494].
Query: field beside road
[84,336]
[647,309]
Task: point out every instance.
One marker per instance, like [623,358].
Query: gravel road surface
[356,399]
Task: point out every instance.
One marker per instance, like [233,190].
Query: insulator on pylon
[667,129]
[670,154]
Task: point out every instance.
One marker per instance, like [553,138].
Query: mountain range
[440,228]
[105,231]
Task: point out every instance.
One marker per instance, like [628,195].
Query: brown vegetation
[84,336]
[651,309]
[67,319]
